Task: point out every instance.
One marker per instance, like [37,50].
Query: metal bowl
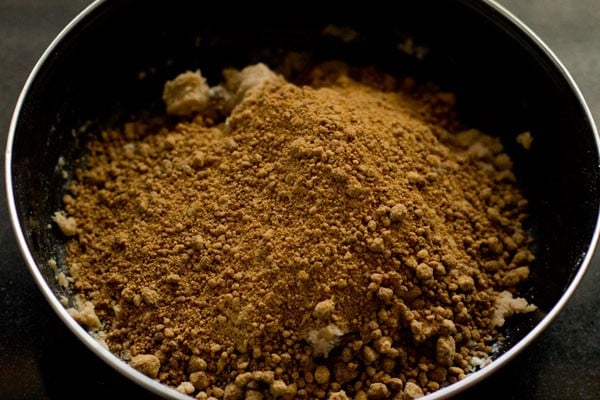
[507,81]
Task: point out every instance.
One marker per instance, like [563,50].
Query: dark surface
[39,358]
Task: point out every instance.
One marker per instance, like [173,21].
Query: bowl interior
[505,84]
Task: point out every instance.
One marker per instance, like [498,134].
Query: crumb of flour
[83,312]
[506,305]
[66,224]
[525,139]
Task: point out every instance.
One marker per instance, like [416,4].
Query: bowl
[111,61]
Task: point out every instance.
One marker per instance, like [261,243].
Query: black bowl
[506,80]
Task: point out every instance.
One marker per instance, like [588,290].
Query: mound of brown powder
[334,241]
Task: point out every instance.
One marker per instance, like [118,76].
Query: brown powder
[326,241]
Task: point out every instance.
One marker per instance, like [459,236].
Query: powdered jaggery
[343,238]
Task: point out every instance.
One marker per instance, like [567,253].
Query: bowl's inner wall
[504,82]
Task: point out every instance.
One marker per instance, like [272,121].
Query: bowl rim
[166,392]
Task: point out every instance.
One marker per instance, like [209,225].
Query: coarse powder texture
[339,239]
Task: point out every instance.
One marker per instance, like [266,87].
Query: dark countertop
[41,359]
